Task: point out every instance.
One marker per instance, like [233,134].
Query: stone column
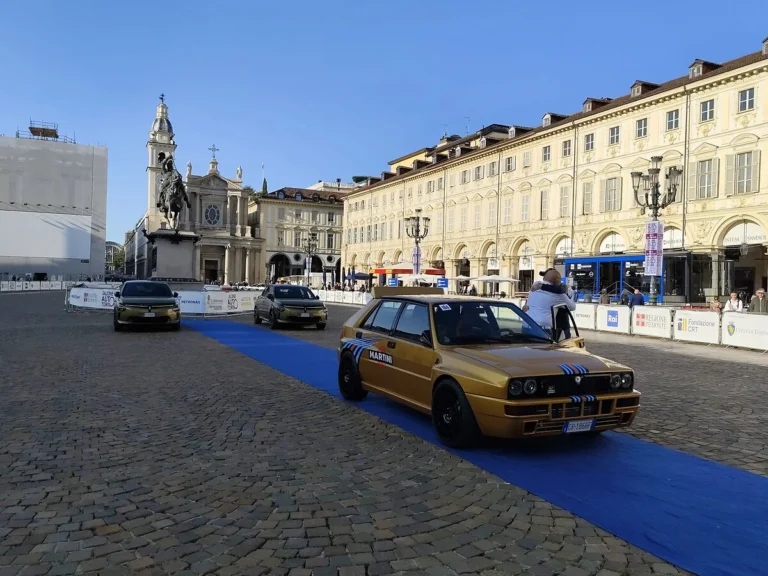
[198,264]
[248,265]
[227,262]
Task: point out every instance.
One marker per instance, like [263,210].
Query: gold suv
[146,303]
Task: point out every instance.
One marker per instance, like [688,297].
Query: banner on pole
[654,248]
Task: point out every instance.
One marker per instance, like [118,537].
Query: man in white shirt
[548,293]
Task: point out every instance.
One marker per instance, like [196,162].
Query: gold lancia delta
[480,366]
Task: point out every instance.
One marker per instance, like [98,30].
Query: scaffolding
[44,131]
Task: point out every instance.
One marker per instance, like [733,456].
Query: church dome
[162,123]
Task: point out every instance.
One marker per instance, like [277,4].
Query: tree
[264,189]
[118,260]
[252,195]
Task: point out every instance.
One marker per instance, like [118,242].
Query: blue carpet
[702,516]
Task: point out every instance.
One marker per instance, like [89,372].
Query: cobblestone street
[168,453]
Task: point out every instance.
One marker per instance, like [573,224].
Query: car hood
[535,360]
[144,301]
[300,302]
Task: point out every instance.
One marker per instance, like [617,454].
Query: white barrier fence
[28,286]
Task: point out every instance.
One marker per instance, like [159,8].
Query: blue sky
[320,90]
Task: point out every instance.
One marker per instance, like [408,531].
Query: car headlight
[530,386]
[279,307]
[626,380]
[515,387]
[615,381]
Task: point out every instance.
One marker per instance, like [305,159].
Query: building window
[565,201]
[613,135]
[383,230]
[390,229]
[478,172]
[641,128]
[375,232]
[451,219]
[566,149]
[637,90]
[440,183]
[297,239]
[510,163]
[392,197]
[384,201]
[612,195]
[314,216]
[329,241]
[744,173]
[707,110]
[492,212]
[280,237]
[525,201]
[368,233]
[463,218]
[212,215]
[410,191]
[492,168]
[747,100]
[544,204]
[281,213]
[508,210]
[399,228]
[430,186]
[464,176]
[418,189]
[673,119]
[704,179]
[589,142]
[331,218]
[476,217]
[586,197]
[696,71]
[526,159]
[349,236]
[546,154]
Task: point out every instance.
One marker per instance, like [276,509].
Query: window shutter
[730,176]
[715,177]
[693,180]
[756,171]
[619,193]
[602,195]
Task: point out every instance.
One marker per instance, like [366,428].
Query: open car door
[564,329]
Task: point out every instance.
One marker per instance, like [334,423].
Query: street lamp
[417,227]
[654,201]
[310,249]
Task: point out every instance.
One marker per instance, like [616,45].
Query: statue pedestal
[174,256]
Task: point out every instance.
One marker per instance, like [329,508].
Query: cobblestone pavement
[707,401]
[168,453]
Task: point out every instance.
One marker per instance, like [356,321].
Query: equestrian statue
[173,193]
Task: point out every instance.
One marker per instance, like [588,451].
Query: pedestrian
[716,306]
[759,304]
[636,299]
[734,304]
[604,298]
[546,294]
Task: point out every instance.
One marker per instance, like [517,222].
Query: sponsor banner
[348,297]
[25,285]
[358,298]
[585,316]
[652,321]
[192,302]
[245,301]
[744,330]
[613,319]
[56,285]
[45,285]
[217,302]
[695,326]
[19,285]
[4,286]
[96,298]
[68,284]
[34,286]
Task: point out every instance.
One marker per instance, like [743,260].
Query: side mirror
[175,294]
[117,294]
[426,338]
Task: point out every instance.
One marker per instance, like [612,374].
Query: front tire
[273,324]
[176,327]
[320,326]
[256,317]
[452,416]
[350,385]
[115,324]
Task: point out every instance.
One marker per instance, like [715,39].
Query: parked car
[289,304]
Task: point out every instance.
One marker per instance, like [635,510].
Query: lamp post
[654,201]
[310,249]
[417,227]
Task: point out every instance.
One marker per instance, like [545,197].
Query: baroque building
[229,250]
[515,200]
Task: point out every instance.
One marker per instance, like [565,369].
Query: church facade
[229,250]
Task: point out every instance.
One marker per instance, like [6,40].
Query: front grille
[566,385]
[142,320]
[591,408]
[300,320]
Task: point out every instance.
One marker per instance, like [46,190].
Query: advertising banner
[744,330]
[654,248]
[216,302]
[56,285]
[613,319]
[95,298]
[45,285]
[192,302]
[652,321]
[18,285]
[246,301]
[694,326]
[4,286]
[25,285]
[585,316]
[34,286]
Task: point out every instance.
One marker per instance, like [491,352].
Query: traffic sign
[392,282]
[442,282]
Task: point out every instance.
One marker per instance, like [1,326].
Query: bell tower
[160,142]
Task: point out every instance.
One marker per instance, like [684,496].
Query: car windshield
[146,290]
[473,322]
[293,293]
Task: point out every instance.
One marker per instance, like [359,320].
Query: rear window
[146,290]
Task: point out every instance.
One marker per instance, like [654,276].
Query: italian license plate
[305,314]
[578,426]
[149,314]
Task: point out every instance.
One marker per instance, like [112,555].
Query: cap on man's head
[547,271]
